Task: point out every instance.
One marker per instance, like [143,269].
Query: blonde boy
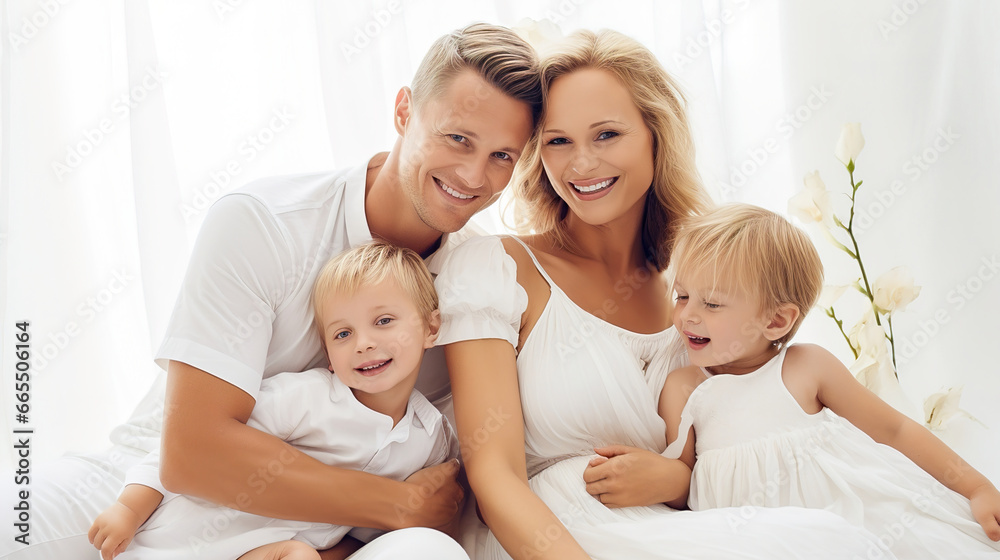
[376,311]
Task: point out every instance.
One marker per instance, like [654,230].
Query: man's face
[459,149]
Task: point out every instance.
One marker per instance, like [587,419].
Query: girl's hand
[986,509]
[628,476]
[113,530]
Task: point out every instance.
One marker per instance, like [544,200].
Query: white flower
[812,203]
[868,338]
[830,295]
[540,34]
[941,407]
[894,290]
[877,375]
[850,143]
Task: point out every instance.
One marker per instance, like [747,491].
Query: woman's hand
[985,502]
[628,476]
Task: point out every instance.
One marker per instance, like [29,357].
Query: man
[244,313]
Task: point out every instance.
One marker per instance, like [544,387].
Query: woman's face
[596,148]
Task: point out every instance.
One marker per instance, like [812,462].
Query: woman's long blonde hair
[676,190]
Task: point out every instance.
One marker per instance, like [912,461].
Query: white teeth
[453,192]
[593,188]
[373,367]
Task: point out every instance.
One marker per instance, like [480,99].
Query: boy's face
[723,328]
[375,338]
[459,149]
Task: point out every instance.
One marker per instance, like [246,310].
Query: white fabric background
[92,253]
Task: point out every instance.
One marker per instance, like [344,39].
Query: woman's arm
[842,393]
[208,451]
[491,434]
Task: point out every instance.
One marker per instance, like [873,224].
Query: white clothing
[755,445]
[243,314]
[585,382]
[315,412]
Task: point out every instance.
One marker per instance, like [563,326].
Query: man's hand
[627,476]
[435,497]
[113,530]
[985,502]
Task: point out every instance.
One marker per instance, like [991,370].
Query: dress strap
[538,265]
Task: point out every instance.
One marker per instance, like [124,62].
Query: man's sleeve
[235,279]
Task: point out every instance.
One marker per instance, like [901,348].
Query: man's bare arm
[208,451]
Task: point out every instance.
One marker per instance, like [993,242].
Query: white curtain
[122,121]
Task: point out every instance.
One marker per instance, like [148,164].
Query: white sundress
[584,383]
[755,445]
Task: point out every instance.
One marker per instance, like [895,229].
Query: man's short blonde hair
[372,264]
[495,53]
[757,252]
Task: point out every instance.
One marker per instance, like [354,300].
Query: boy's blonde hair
[758,251]
[372,264]
[498,55]
[676,190]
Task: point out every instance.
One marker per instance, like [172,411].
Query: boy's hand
[986,509]
[113,530]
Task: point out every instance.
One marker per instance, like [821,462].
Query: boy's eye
[384,321]
[680,298]
[712,305]
[341,335]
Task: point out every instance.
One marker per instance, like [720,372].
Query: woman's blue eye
[458,138]
[502,155]
[558,141]
[607,134]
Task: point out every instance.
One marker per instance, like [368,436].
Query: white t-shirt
[244,310]
[315,412]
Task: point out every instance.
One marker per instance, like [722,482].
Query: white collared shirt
[244,311]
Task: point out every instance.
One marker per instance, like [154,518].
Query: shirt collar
[420,413]
[354,206]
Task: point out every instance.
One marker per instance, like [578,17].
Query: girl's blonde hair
[676,189]
[758,252]
[372,264]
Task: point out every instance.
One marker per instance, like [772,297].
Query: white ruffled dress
[585,382]
[756,446]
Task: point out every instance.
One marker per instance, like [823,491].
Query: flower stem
[857,251]
[840,325]
[892,346]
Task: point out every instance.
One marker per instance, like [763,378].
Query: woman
[559,340]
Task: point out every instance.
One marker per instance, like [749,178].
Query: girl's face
[723,327]
[596,148]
